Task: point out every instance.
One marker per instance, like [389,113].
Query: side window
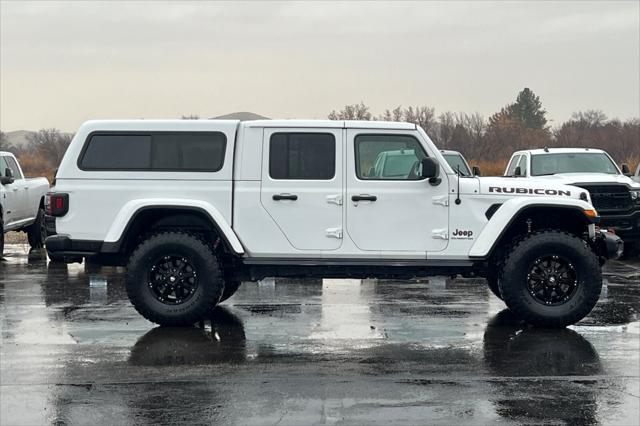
[304,156]
[161,151]
[511,170]
[523,165]
[388,157]
[3,166]
[11,163]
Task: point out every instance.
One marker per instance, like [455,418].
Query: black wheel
[173,279]
[37,232]
[551,279]
[230,288]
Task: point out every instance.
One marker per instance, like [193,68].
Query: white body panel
[410,219]
[21,199]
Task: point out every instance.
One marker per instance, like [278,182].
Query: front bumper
[626,226]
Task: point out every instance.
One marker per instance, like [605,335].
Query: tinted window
[388,157]
[11,163]
[162,151]
[309,156]
[548,164]
[457,163]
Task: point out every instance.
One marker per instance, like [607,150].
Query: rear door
[302,185]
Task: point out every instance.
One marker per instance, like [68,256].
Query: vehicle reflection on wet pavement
[441,351]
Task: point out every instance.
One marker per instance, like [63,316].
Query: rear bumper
[62,245]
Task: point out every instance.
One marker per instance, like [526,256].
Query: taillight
[57,204]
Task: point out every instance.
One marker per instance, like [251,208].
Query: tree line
[488,142]
[519,125]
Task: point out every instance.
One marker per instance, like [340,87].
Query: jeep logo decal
[462,234]
[535,191]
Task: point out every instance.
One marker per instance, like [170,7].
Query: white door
[389,206]
[11,198]
[302,185]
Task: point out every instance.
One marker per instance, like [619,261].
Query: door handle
[278,197]
[364,197]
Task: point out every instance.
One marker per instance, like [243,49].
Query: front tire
[37,232]
[173,279]
[551,279]
[230,288]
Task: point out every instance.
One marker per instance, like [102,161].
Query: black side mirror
[7,178]
[518,171]
[625,169]
[476,171]
[430,170]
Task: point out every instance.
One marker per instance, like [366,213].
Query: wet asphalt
[291,352]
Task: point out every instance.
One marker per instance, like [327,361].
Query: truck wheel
[174,279]
[37,232]
[551,279]
[230,288]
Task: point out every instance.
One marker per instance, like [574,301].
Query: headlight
[635,196]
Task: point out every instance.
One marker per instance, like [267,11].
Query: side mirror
[625,169]
[518,171]
[476,171]
[430,170]
[7,178]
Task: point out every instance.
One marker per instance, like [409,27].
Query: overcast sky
[65,62]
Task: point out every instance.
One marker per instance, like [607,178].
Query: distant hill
[18,138]
[242,116]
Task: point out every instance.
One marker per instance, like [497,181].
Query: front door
[390,208]
[302,185]
[11,197]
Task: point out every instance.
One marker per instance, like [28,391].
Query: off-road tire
[208,290]
[36,233]
[519,261]
[493,282]
[230,288]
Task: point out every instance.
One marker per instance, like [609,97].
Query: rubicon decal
[462,234]
[535,191]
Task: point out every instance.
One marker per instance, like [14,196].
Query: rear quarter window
[154,151]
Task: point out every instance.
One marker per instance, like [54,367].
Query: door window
[511,170]
[3,166]
[388,157]
[303,156]
[523,165]
[11,163]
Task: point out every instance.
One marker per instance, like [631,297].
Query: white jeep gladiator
[194,207]
[614,194]
[21,202]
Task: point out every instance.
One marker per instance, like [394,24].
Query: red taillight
[57,204]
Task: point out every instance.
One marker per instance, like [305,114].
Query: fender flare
[509,211]
[131,209]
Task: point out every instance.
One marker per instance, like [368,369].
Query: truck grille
[609,197]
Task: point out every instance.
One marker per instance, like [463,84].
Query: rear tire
[493,282]
[551,279]
[37,233]
[173,279]
[1,236]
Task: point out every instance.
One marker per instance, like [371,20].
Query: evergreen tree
[528,109]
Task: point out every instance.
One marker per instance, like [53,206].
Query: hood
[528,187]
[571,178]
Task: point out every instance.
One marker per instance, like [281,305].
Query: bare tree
[191,117]
[51,144]
[352,112]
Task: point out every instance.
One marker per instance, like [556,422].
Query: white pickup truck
[615,195]
[194,207]
[21,202]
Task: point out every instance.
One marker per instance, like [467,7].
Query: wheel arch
[139,217]
[510,221]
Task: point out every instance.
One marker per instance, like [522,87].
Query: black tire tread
[134,289]
[514,301]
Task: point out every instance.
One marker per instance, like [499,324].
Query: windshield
[456,160]
[583,162]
